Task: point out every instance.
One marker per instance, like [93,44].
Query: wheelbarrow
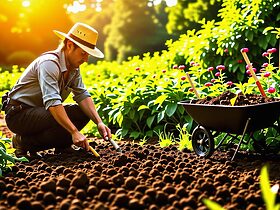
[234,121]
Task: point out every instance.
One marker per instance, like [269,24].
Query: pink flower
[175,66]
[272,50]
[245,50]
[213,80]
[182,67]
[192,63]
[217,74]
[265,54]
[229,83]
[207,84]
[266,74]
[210,68]
[248,66]
[226,50]
[220,67]
[271,90]
[183,78]
[248,72]
[265,65]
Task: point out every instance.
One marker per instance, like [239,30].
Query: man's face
[76,55]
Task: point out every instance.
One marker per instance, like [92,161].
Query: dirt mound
[231,99]
[142,177]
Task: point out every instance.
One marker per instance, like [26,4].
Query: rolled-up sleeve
[78,88]
[48,76]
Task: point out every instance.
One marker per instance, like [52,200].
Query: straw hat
[84,36]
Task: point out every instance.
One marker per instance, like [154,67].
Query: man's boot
[21,151]
[17,144]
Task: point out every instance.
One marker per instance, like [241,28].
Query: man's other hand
[80,140]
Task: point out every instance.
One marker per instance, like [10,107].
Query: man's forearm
[88,108]
[60,115]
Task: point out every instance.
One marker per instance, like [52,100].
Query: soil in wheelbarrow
[231,99]
[142,177]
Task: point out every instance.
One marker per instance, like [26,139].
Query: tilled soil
[238,100]
[142,177]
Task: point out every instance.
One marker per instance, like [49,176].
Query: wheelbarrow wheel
[202,142]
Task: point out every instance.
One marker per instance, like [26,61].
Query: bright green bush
[242,25]
[7,157]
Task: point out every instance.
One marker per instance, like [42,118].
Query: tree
[134,30]
[98,15]
[186,14]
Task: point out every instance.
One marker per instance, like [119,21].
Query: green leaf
[120,119]
[268,28]
[124,131]
[278,17]
[160,116]
[212,205]
[149,133]
[250,35]
[134,99]
[134,134]
[161,99]
[181,109]
[150,121]
[268,195]
[142,107]
[131,114]
[170,109]
[262,43]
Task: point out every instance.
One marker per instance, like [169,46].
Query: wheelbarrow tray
[232,119]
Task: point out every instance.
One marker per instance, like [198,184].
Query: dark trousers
[39,130]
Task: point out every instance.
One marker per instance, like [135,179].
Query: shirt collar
[62,61]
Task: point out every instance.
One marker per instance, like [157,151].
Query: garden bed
[142,177]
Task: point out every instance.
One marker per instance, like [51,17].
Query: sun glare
[171,3]
[26,3]
[76,7]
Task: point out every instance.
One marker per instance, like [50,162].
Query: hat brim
[93,52]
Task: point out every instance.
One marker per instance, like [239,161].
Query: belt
[14,102]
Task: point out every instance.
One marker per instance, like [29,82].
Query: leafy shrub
[7,158]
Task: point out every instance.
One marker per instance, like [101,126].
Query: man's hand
[80,140]
[104,130]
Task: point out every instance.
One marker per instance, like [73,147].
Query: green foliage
[7,157]
[135,29]
[242,24]
[165,138]
[185,15]
[9,77]
[184,137]
[268,193]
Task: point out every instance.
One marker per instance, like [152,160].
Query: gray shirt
[42,83]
